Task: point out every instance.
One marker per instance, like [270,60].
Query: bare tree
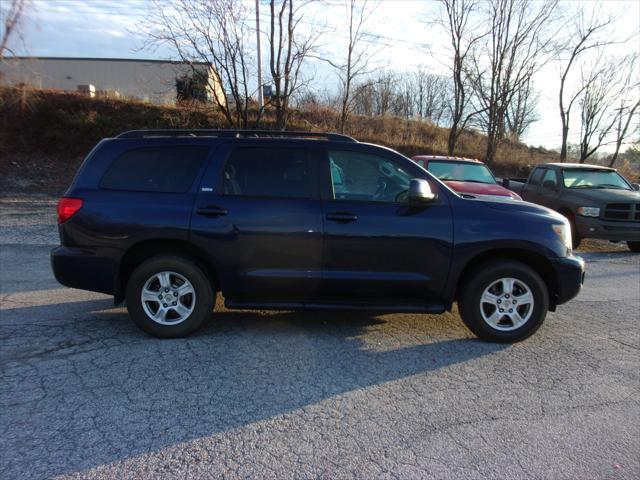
[464,35]
[11,14]
[211,32]
[605,83]
[433,95]
[521,111]
[288,51]
[516,48]
[403,104]
[625,115]
[363,98]
[626,118]
[384,93]
[357,59]
[584,34]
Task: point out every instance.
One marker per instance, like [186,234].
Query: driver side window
[549,180]
[366,177]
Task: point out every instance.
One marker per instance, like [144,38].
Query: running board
[289,305]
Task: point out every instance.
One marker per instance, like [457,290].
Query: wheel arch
[146,249]
[567,212]
[539,263]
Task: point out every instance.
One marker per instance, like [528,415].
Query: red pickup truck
[464,175]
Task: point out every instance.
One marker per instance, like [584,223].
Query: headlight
[564,232]
[589,211]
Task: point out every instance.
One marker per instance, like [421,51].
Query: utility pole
[260,96]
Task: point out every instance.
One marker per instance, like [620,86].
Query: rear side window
[268,172]
[155,169]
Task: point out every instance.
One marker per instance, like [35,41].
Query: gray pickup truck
[598,201]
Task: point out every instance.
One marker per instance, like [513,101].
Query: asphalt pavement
[256,394]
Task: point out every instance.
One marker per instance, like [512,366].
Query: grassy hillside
[45,134]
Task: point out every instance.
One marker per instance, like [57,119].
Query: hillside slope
[45,134]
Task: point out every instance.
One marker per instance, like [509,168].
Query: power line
[85,9]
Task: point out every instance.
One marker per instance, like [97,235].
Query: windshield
[461,171]
[583,178]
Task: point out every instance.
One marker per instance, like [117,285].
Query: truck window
[550,180]
[536,176]
[169,169]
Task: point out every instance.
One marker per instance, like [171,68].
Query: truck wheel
[575,238]
[169,297]
[505,301]
[633,246]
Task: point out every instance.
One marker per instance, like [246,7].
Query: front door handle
[211,211]
[343,217]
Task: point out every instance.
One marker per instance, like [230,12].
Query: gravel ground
[309,395]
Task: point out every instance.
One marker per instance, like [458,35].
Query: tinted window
[536,176]
[361,176]
[549,180]
[155,169]
[268,172]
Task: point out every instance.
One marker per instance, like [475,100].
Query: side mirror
[420,192]
[636,186]
[505,183]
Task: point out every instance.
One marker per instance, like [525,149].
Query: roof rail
[173,133]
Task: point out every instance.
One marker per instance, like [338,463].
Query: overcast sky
[402,40]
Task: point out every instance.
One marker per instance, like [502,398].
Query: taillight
[67,208]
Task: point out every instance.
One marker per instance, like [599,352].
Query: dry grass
[54,130]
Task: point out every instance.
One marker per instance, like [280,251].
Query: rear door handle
[211,211]
[343,217]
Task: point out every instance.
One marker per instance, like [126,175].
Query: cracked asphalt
[84,394]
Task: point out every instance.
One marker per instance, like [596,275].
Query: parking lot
[309,395]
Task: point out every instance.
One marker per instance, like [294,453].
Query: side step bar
[297,305]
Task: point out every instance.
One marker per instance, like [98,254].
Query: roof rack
[173,133]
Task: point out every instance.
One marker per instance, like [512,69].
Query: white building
[153,81]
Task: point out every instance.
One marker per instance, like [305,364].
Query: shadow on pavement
[86,388]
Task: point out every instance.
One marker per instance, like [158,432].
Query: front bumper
[592,227]
[570,272]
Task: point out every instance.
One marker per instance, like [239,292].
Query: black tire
[483,277]
[575,238]
[634,246]
[203,299]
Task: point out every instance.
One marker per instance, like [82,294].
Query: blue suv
[165,219]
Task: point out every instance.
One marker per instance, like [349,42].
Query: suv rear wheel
[506,301]
[169,297]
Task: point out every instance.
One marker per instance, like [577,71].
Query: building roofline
[107,59]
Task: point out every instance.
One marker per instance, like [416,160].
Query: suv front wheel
[169,297]
[506,301]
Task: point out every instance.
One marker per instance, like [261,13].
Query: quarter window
[155,169]
[268,172]
[361,176]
